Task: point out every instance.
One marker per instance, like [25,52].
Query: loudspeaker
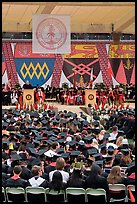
[116,37]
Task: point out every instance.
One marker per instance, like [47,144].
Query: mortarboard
[75,122]
[36,141]
[15,157]
[57,117]
[49,142]
[99,162]
[97,156]
[11,128]
[12,120]
[65,155]
[41,152]
[108,159]
[29,145]
[102,147]
[88,139]
[18,135]
[60,150]
[96,131]
[53,138]
[95,117]
[125,151]
[72,143]
[75,153]
[36,161]
[28,121]
[44,122]
[61,141]
[85,123]
[92,151]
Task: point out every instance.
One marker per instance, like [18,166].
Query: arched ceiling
[86,17]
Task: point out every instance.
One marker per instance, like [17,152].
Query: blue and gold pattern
[36,71]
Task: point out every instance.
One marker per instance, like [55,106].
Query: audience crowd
[63,149]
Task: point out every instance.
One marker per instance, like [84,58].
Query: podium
[90,96]
[28,96]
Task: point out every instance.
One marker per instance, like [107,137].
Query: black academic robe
[16,183]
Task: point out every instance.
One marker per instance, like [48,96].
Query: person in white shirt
[60,163]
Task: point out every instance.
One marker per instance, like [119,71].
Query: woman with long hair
[95,180]
[57,183]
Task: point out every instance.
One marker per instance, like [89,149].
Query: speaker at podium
[28,96]
[90,96]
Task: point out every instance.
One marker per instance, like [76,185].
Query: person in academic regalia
[121,96]
[40,96]
[16,180]
[27,85]
[14,96]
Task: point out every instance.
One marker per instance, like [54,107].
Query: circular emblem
[51,33]
[91,97]
[28,97]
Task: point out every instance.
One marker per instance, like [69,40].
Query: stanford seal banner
[51,34]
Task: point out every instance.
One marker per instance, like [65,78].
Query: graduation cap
[85,123]
[88,139]
[32,150]
[72,143]
[65,155]
[96,131]
[111,150]
[63,134]
[15,157]
[35,115]
[60,150]
[12,120]
[97,156]
[99,163]
[108,159]
[23,156]
[95,117]
[74,153]
[125,151]
[11,128]
[36,162]
[49,142]
[53,138]
[92,151]
[61,141]
[29,145]
[18,135]
[102,147]
[41,152]
[36,141]
[44,122]
[57,117]
[75,122]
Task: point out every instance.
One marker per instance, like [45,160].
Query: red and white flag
[51,34]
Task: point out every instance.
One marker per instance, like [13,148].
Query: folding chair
[55,196]
[15,194]
[3,195]
[34,194]
[117,192]
[96,195]
[131,193]
[75,194]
